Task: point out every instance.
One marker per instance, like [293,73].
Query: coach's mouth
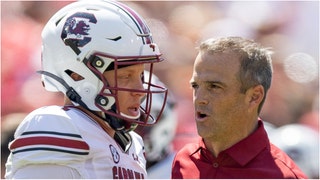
[200,116]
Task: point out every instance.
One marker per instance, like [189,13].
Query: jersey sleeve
[46,136]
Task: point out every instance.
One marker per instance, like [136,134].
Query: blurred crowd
[290,28]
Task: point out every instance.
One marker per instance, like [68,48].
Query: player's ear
[254,97]
[74,76]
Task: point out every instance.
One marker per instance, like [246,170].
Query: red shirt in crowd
[252,157]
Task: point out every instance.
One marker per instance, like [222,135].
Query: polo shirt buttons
[215,165]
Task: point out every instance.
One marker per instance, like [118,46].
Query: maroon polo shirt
[253,157]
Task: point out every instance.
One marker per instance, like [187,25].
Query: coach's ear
[254,97]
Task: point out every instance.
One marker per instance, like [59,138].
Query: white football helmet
[158,138]
[301,143]
[88,38]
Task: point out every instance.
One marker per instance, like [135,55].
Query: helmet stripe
[143,28]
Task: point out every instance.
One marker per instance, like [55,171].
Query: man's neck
[217,145]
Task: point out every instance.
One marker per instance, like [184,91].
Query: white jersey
[68,137]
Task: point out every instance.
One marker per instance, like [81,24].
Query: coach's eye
[194,85]
[213,86]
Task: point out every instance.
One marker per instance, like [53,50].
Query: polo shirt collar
[248,148]
[243,151]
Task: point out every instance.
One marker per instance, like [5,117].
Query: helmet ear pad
[102,100]
[90,90]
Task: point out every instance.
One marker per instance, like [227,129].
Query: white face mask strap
[130,117]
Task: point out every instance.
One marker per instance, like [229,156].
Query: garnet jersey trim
[50,141]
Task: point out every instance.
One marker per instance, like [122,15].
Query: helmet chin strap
[121,127]
[117,123]
[70,92]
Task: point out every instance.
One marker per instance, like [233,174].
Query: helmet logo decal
[76,29]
